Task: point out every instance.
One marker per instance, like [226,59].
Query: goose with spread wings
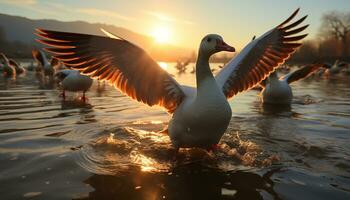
[276,90]
[200,115]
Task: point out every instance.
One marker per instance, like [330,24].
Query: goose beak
[222,46]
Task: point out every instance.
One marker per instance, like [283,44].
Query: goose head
[212,44]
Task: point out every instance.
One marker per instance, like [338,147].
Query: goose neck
[202,68]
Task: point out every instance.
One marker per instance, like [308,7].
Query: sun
[161,34]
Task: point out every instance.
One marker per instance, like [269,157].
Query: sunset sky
[180,22]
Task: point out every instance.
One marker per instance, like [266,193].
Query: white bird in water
[200,115]
[277,90]
[72,80]
[8,70]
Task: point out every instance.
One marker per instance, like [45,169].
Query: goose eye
[208,39]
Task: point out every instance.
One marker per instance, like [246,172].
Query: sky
[181,22]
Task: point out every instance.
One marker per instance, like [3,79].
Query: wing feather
[124,65]
[301,73]
[261,57]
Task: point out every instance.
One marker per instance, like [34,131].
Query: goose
[277,90]
[336,68]
[19,69]
[48,69]
[7,69]
[72,80]
[200,115]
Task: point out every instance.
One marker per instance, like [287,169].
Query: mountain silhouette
[18,29]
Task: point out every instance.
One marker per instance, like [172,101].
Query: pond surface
[111,148]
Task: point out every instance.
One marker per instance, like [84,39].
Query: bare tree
[337,25]
[308,52]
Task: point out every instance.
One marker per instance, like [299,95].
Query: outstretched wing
[126,66]
[301,73]
[260,57]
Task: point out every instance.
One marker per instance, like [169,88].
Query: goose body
[72,80]
[201,115]
[278,91]
[201,120]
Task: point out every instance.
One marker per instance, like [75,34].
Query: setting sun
[161,34]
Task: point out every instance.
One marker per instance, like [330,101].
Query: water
[111,148]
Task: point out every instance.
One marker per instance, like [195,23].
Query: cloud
[31,5]
[89,11]
[103,13]
[19,2]
[56,9]
[166,18]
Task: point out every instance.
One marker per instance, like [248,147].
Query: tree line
[332,41]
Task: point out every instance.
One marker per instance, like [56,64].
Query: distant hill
[20,30]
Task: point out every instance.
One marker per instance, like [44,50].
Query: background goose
[7,69]
[336,68]
[19,69]
[72,80]
[200,115]
[277,90]
[44,66]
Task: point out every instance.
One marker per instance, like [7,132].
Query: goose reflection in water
[192,181]
[74,103]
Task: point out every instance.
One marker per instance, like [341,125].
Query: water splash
[151,151]
[110,139]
